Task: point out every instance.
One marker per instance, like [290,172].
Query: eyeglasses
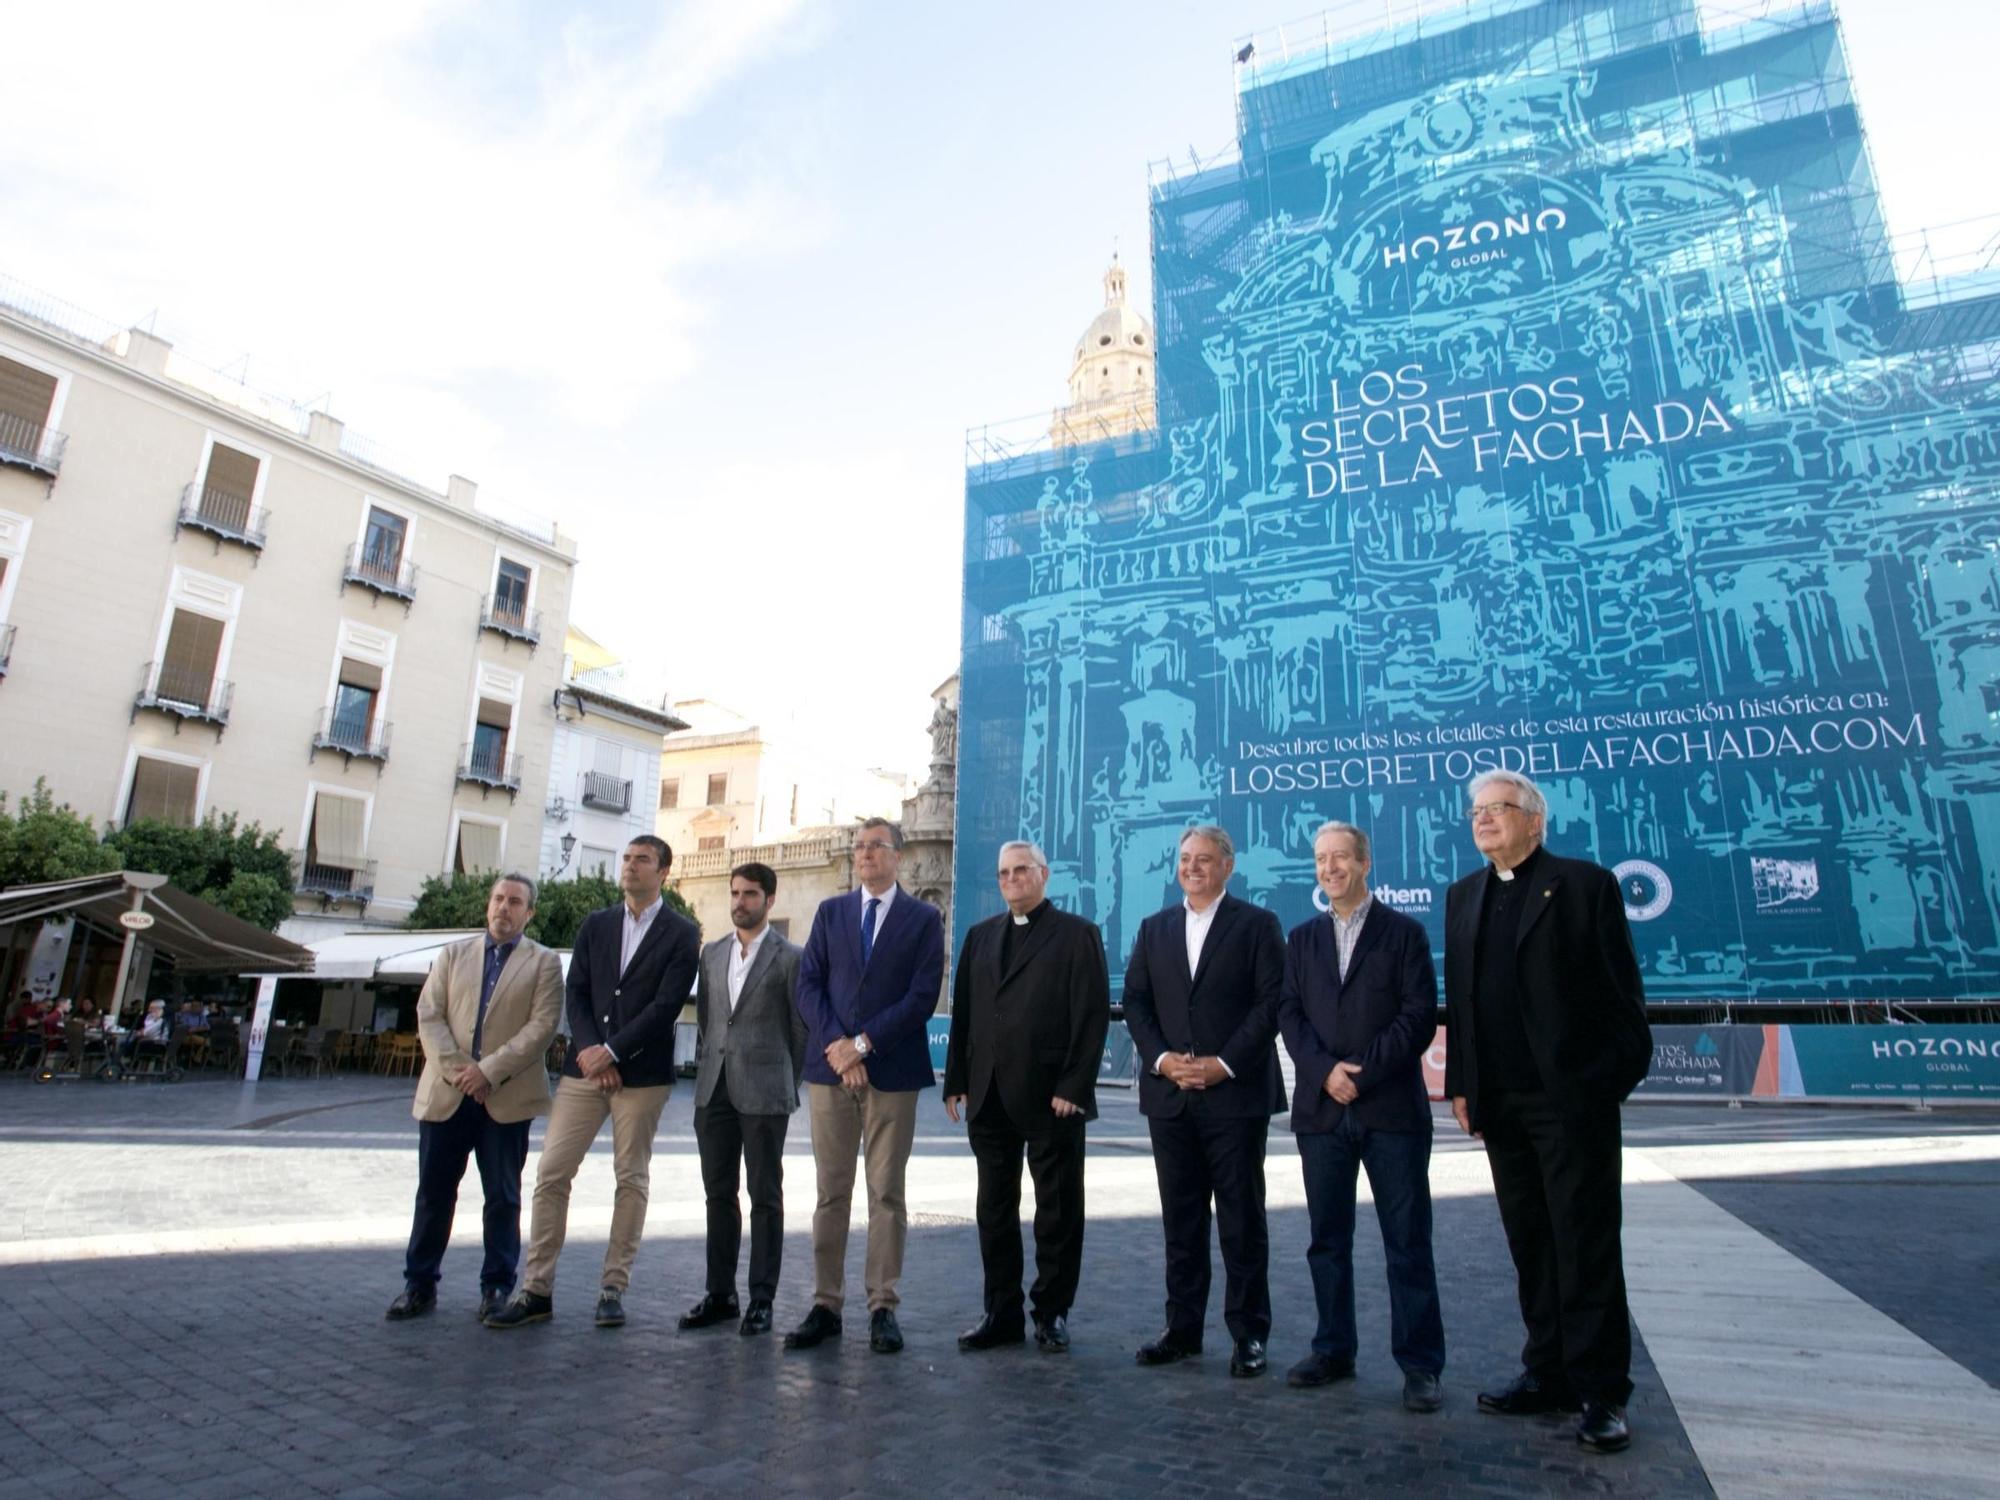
[1480,810]
[865,845]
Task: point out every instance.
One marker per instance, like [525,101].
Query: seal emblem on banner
[1646,888]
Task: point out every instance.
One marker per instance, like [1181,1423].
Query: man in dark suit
[1358,1010]
[629,976]
[753,1053]
[485,1016]
[1031,1002]
[868,982]
[1546,1035]
[1201,1002]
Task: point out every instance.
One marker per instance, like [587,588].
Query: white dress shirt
[634,932]
[1198,923]
[740,959]
[882,911]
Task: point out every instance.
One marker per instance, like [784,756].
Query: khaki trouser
[574,1120]
[881,1126]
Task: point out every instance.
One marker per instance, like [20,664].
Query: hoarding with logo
[1537,395]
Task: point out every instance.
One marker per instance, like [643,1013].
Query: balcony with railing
[515,621]
[30,445]
[184,693]
[352,736]
[6,647]
[489,769]
[606,793]
[333,885]
[387,575]
[223,515]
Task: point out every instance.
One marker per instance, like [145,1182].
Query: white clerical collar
[1503,874]
[1020,919]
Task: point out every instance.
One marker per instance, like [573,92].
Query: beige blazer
[520,1019]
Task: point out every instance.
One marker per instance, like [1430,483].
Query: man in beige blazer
[485,1017]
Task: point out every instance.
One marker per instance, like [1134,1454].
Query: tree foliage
[560,905]
[46,840]
[240,868]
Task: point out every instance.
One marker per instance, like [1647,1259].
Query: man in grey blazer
[753,1050]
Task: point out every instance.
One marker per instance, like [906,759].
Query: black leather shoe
[414,1303]
[1052,1334]
[491,1300]
[1248,1358]
[1602,1427]
[756,1318]
[1527,1396]
[1319,1369]
[884,1337]
[712,1310]
[820,1324]
[610,1309]
[1166,1349]
[526,1308]
[991,1332]
[1421,1391]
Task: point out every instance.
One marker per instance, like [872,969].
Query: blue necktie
[868,929]
[496,960]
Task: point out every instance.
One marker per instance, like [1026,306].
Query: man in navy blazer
[869,980]
[1358,1010]
[1201,1002]
[629,975]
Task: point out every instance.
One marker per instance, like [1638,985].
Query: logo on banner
[1783,882]
[1414,899]
[1646,889]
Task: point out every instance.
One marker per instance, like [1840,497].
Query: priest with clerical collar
[1545,1036]
[1031,1002]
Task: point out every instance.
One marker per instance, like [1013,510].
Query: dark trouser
[1199,1157]
[1398,1165]
[1557,1180]
[442,1149]
[1055,1161]
[724,1137]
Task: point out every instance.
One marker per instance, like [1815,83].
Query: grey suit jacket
[763,1042]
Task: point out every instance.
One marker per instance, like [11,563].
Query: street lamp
[568,846]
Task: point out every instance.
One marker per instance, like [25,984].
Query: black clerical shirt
[1505,1059]
[1016,928]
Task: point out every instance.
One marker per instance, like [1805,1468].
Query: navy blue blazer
[891,999]
[1227,1009]
[632,1013]
[1382,1017]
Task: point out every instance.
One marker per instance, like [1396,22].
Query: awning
[197,937]
[382,953]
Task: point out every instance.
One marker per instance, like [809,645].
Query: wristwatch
[863,1046]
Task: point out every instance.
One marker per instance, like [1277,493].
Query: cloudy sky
[717,285]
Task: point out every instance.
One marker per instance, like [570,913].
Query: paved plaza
[192,1281]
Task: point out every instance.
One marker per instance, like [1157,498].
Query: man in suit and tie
[753,1053]
[1031,1003]
[868,983]
[1358,1010]
[485,1017]
[629,976]
[1546,1035]
[1201,1002]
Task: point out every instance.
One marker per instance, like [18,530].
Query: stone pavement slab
[261,1369]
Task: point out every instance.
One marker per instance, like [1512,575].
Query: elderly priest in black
[1031,1003]
[1201,1002]
[1546,1035]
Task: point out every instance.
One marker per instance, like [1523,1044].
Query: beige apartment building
[210,601]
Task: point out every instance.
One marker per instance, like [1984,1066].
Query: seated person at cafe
[152,1032]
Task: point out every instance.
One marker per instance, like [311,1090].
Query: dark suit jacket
[890,1000]
[632,1013]
[1382,1016]
[762,1041]
[1582,1001]
[1229,1009]
[1036,1032]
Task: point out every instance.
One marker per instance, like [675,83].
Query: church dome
[1111,373]
[1120,327]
